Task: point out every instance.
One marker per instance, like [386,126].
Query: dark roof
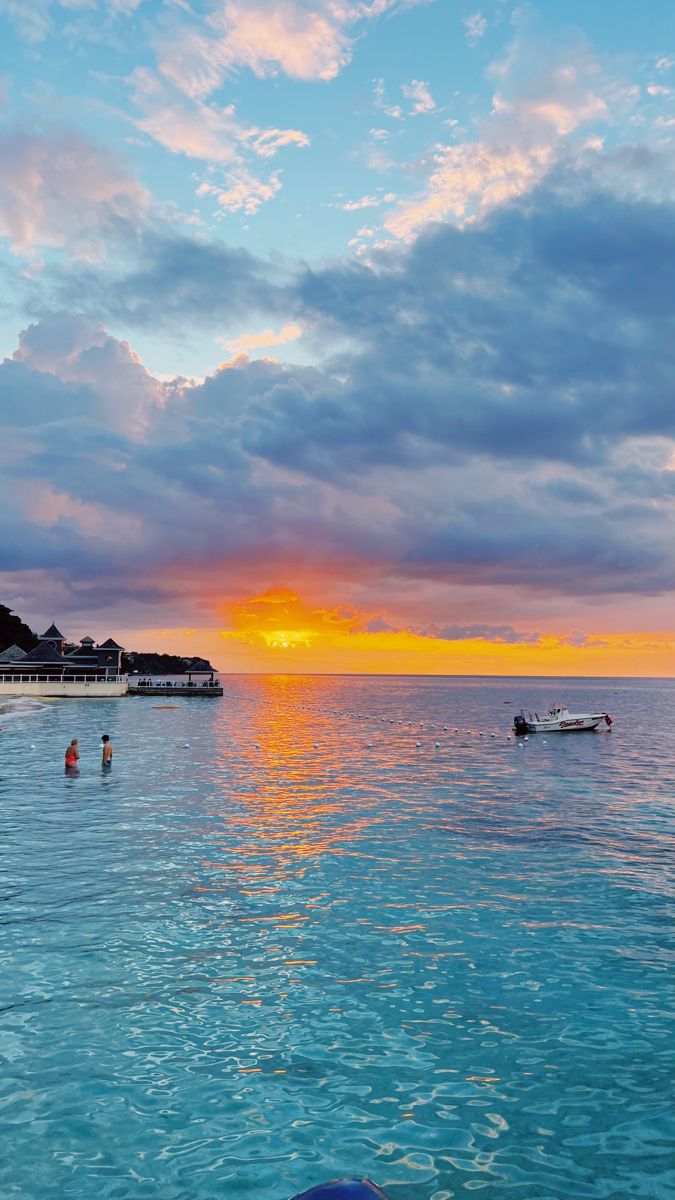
[43,654]
[86,641]
[53,632]
[110,645]
[13,653]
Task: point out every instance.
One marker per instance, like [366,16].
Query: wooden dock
[178,690]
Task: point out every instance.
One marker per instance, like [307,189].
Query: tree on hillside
[13,631]
[159,664]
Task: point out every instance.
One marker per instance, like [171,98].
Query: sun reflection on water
[296,808]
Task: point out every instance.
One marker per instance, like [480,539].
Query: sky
[338,335]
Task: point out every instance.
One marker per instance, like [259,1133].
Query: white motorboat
[559,719]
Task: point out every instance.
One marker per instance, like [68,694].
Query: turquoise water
[237,971]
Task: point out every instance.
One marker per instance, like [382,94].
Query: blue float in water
[344,1189]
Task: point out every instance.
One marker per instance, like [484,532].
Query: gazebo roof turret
[52,634]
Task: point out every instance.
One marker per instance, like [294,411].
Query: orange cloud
[266,337]
[277,631]
[278,619]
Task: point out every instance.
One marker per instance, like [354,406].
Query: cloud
[493,411]
[160,279]
[475,26]
[534,113]
[201,130]
[390,110]
[33,19]
[368,202]
[215,134]
[488,633]
[243,191]
[111,384]
[577,638]
[266,337]
[422,100]
[58,190]
[197,130]
[304,39]
[266,142]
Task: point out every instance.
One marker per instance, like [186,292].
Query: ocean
[339,926]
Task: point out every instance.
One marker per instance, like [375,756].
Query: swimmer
[72,754]
[106,746]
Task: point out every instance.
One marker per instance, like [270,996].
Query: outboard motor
[519,723]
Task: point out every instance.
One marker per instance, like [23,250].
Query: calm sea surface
[281,942]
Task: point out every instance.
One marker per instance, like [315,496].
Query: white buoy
[418,744]
[526,739]
[437,745]
[508,737]
[480,732]
[369,745]
[186,743]
[316,745]
[493,735]
[257,745]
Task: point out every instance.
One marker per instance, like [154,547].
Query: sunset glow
[276,632]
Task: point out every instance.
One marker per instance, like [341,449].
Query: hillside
[13,631]
[159,664]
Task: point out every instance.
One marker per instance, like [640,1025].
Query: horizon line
[433,675]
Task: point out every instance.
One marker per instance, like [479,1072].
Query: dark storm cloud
[547,332]
[554,549]
[168,280]
[490,633]
[21,403]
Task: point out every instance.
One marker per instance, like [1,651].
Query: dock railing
[92,679]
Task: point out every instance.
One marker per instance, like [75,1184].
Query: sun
[287,639]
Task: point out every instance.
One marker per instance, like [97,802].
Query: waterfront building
[55,668]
